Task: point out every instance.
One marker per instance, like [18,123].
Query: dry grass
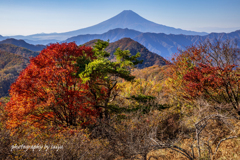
[136,136]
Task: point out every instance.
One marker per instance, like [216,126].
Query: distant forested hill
[22,43]
[149,58]
[18,50]
[13,60]
[10,66]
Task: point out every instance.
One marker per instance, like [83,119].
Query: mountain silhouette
[2,38]
[125,19]
[131,20]
[111,35]
[160,43]
[165,45]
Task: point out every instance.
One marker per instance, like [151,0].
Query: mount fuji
[125,19]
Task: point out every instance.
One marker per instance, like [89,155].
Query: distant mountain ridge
[159,43]
[22,43]
[112,35]
[2,38]
[165,45]
[125,19]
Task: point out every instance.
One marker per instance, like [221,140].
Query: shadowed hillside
[18,50]
[13,60]
[149,58]
[10,67]
[22,43]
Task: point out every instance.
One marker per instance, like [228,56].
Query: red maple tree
[47,92]
[215,74]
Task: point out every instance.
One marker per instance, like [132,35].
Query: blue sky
[25,17]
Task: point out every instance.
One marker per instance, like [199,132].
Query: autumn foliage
[46,92]
[209,70]
[98,108]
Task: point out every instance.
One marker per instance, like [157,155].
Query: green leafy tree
[103,75]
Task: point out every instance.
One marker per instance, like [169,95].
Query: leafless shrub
[211,129]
